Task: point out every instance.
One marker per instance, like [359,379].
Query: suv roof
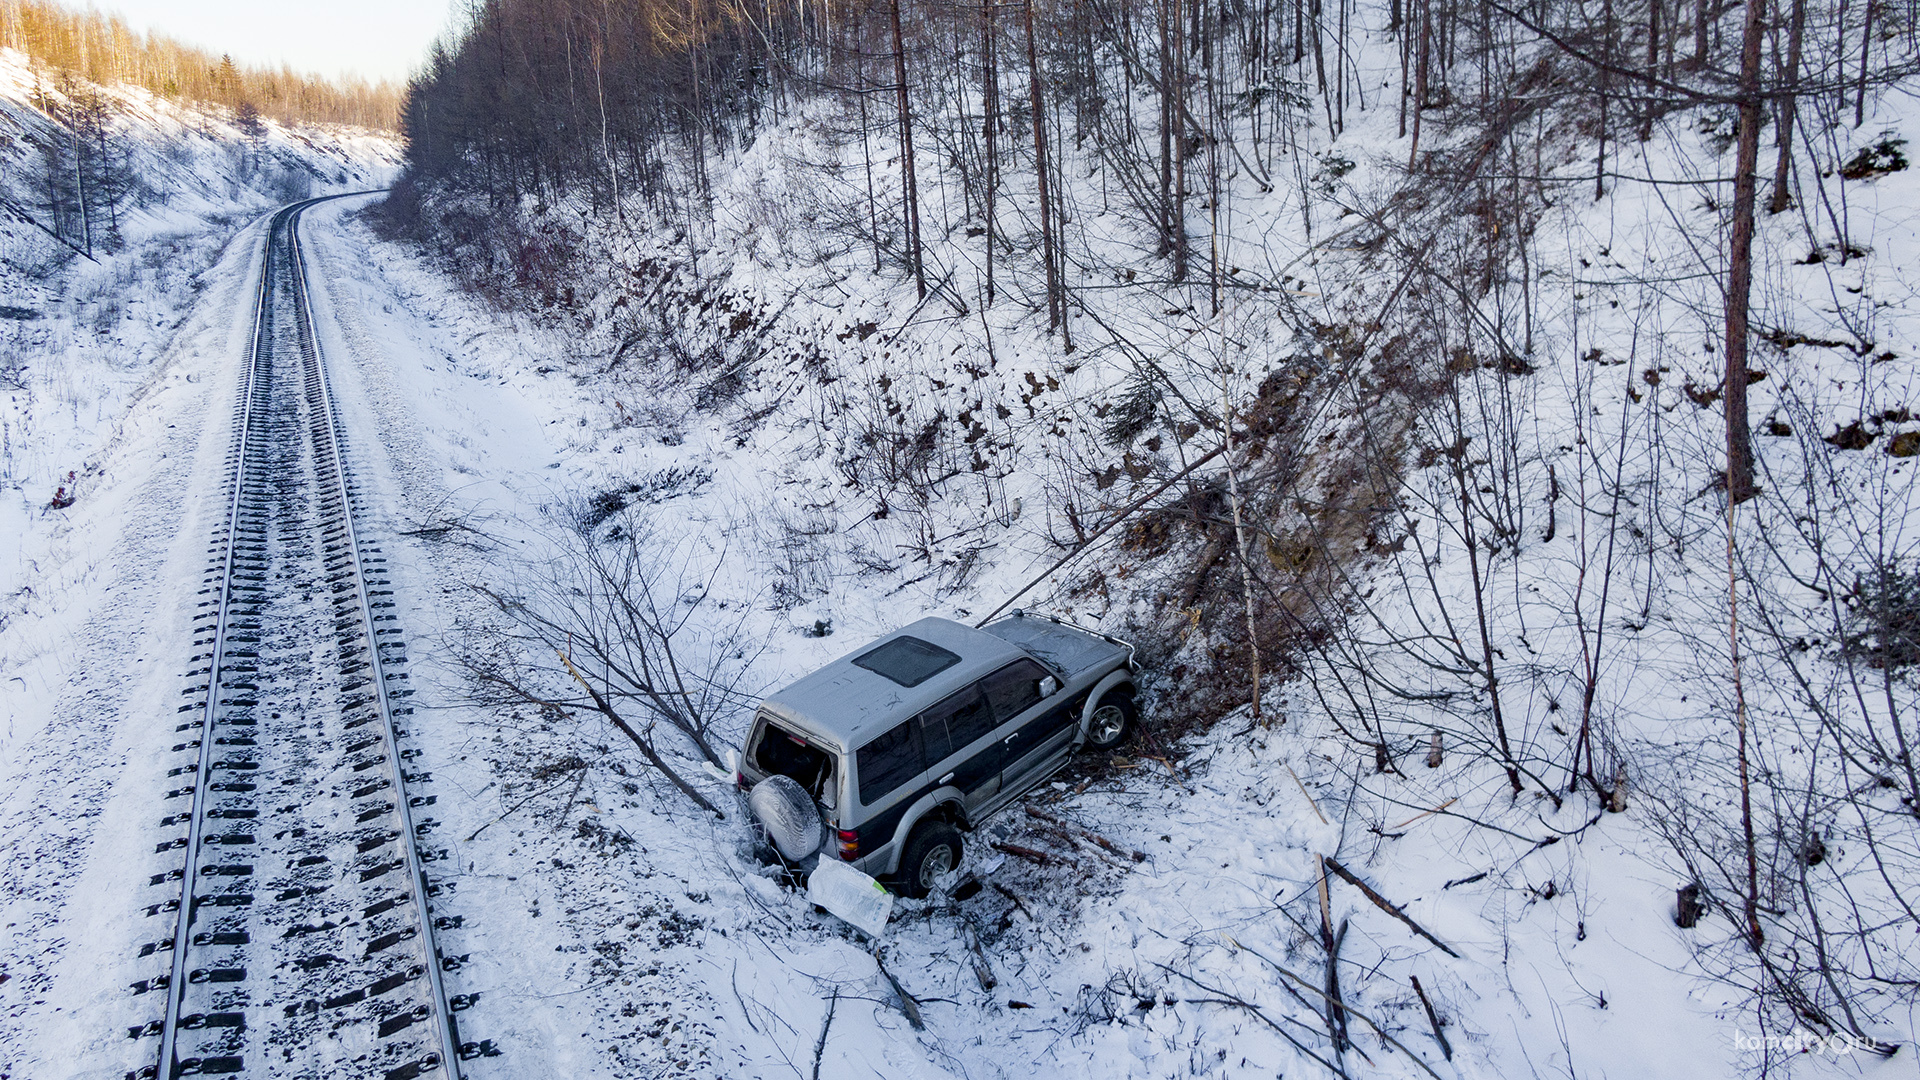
[848,703]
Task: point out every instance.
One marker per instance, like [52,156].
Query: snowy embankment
[118,369]
[850,458]
[83,336]
[591,893]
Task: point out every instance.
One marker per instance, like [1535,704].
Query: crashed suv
[886,755]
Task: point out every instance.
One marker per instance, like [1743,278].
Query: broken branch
[820,1047]
[1347,1009]
[1425,813]
[1310,802]
[1432,1018]
[1387,906]
[1229,999]
[909,1007]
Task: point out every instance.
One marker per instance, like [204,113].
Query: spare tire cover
[787,811]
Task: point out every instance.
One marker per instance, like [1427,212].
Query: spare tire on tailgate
[787,812]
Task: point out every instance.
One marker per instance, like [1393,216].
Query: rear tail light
[849,845]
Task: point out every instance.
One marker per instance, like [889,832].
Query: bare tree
[611,624]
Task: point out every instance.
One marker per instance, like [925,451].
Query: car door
[961,751]
[888,775]
[1034,731]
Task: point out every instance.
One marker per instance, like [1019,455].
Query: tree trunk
[1740,484]
[866,152]
[1866,43]
[1406,52]
[1653,67]
[1740,481]
[1606,96]
[1177,221]
[1240,540]
[80,190]
[1789,109]
[909,181]
[1420,69]
[990,80]
[1055,314]
[1168,115]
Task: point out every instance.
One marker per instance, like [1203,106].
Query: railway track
[303,936]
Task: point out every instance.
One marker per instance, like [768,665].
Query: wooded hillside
[1461,304]
[104,49]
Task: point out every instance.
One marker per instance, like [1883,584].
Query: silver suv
[907,741]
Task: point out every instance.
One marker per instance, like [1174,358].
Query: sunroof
[907,660]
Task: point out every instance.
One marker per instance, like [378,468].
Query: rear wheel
[932,852]
[1112,720]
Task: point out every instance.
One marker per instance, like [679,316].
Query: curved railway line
[304,934]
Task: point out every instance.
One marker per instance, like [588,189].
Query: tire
[933,850]
[1112,720]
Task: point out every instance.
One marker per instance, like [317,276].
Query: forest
[103,49]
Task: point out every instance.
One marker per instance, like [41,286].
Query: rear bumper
[880,862]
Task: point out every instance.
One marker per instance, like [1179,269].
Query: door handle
[1012,737]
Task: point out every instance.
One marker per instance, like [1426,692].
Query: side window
[1014,689]
[889,761]
[956,722]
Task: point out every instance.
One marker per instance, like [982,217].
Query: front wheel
[1112,721]
[932,852]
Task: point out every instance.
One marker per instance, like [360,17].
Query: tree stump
[1688,906]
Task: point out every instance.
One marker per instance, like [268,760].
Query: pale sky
[376,39]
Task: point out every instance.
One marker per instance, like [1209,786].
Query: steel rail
[251,421]
[410,838]
[196,825]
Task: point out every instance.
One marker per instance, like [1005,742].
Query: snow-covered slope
[866,457]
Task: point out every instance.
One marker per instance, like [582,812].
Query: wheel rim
[939,861]
[1107,724]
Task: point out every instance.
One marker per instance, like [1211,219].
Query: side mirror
[1049,686]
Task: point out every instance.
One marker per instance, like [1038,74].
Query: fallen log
[1027,853]
[1136,856]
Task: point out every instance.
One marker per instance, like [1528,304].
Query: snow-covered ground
[625,906]
[81,339]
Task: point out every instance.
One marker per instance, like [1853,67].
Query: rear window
[907,660]
[889,761]
[781,751]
